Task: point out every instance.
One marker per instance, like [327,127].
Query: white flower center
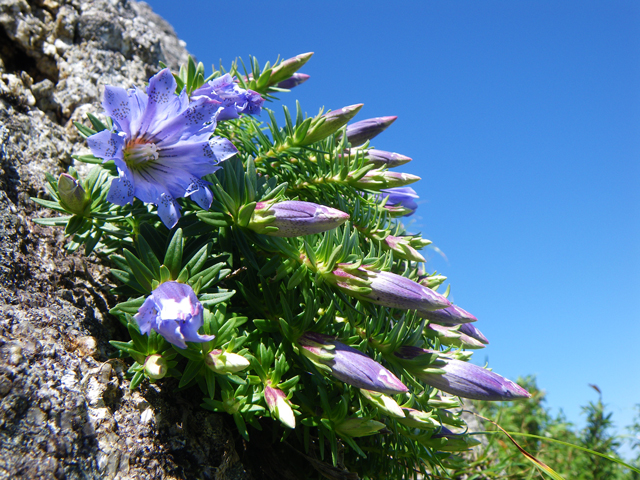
[172,310]
[136,154]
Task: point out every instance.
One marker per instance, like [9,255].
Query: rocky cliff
[66,410]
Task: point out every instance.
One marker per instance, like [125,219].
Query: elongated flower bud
[279,406]
[360,132]
[349,365]
[72,196]
[287,68]
[383,403]
[294,218]
[330,123]
[155,367]
[382,179]
[380,158]
[386,288]
[452,315]
[402,249]
[223,362]
[452,336]
[473,332]
[293,81]
[359,427]
[461,378]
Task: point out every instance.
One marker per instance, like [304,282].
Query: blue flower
[401,200]
[174,311]
[161,144]
[233,98]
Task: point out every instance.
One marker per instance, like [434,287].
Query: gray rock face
[66,411]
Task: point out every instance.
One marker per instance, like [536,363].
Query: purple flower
[293,218]
[349,365]
[234,99]
[380,158]
[293,81]
[453,336]
[161,145]
[400,200]
[383,179]
[462,378]
[173,310]
[452,315]
[360,132]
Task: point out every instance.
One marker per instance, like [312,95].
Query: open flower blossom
[174,311]
[161,144]
[349,365]
[234,99]
[460,378]
[400,200]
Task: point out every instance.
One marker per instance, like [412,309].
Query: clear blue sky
[523,120]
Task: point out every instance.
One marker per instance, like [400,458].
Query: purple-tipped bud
[383,403]
[382,179]
[402,248]
[450,316]
[330,123]
[463,379]
[359,427]
[293,81]
[360,132]
[400,201]
[279,406]
[293,218]
[155,367]
[223,362]
[473,332]
[287,68]
[349,365]
[72,196]
[452,336]
[174,311]
[388,289]
[380,158]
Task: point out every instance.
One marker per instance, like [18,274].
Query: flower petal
[168,210]
[116,103]
[122,188]
[162,99]
[106,144]
[146,316]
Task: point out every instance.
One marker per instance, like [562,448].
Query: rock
[66,410]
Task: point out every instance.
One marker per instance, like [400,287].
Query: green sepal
[215,219]
[245,213]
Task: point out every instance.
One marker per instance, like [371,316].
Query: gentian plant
[266,268]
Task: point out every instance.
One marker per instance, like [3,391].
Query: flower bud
[473,332]
[387,289]
[330,123]
[447,441]
[223,362]
[382,179]
[349,365]
[72,196]
[293,81]
[460,378]
[450,316]
[360,132]
[279,406]
[155,367]
[293,218]
[403,249]
[452,336]
[287,68]
[383,403]
[399,201]
[359,427]
[380,158]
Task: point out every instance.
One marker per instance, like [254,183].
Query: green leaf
[84,131]
[143,275]
[95,121]
[195,264]
[147,256]
[131,306]
[216,219]
[211,299]
[136,380]
[193,368]
[173,257]
[140,341]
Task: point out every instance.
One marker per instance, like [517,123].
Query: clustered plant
[268,267]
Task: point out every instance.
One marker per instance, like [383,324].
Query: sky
[523,121]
